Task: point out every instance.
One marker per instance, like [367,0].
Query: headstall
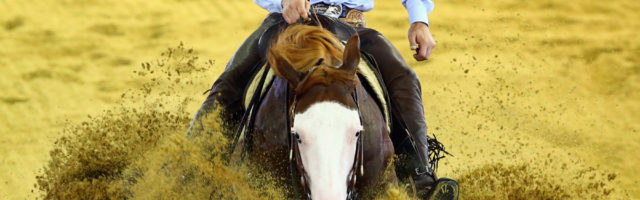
[295,158]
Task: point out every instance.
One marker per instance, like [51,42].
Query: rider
[399,78]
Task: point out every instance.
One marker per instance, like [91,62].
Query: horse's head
[324,114]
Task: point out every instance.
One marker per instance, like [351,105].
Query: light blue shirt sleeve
[418,10]
[270,5]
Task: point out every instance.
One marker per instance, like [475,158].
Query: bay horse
[333,141]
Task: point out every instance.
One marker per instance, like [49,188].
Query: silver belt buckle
[328,10]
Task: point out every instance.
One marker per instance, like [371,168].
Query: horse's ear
[351,56]
[283,69]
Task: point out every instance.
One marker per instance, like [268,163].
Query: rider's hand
[421,41]
[292,10]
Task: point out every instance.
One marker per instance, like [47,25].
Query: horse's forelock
[303,45]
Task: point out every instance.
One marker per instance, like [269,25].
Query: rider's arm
[420,38]
[418,10]
[270,5]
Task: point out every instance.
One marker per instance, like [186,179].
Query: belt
[352,16]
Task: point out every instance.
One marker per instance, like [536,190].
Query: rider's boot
[228,89]
[405,95]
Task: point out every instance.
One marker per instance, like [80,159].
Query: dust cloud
[140,150]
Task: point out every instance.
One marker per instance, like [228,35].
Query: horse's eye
[320,61]
[357,133]
[297,137]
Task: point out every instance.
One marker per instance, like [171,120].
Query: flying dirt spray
[139,150]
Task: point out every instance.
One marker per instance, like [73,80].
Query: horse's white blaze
[328,134]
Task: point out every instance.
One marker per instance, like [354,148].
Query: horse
[317,122]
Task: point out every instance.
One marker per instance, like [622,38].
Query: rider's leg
[404,91]
[405,94]
[228,89]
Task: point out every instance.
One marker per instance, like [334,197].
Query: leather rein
[296,161]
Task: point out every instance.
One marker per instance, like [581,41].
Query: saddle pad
[363,69]
[253,84]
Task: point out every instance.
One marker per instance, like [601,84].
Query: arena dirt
[535,100]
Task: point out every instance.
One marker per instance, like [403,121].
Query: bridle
[294,152]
